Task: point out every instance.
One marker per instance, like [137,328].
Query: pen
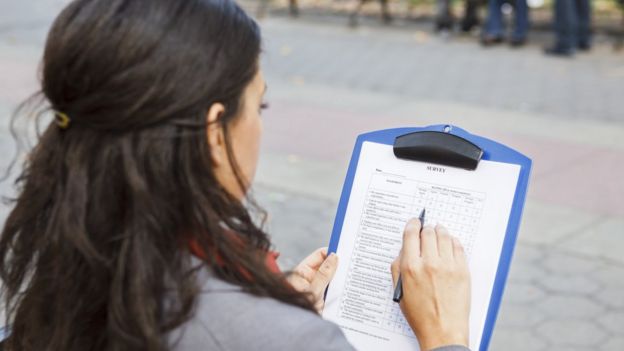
[398,290]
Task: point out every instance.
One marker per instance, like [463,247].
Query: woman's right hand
[436,285]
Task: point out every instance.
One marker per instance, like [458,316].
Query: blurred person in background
[494,30]
[445,19]
[133,228]
[572,27]
[385,12]
[293,8]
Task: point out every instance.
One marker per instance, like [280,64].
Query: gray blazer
[228,319]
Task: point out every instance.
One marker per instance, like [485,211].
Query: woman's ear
[214,133]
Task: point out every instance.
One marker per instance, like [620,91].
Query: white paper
[386,193]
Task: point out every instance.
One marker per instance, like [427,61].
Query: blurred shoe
[559,51]
[584,46]
[467,24]
[353,20]
[517,42]
[489,40]
[293,10]
[444,24]
[386,18]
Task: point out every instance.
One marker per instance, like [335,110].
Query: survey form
[387,192]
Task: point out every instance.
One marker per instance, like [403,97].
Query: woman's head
[126,66]
[235,168]
[163,99]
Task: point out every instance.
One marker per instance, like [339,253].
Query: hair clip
[62,119]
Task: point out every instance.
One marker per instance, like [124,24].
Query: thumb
[324,275]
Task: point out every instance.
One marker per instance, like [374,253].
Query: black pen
[398,290]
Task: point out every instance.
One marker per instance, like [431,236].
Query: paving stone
[519,316]
[523,293]
[516,340]
[525,272]
[613,297]
[527,253]
[562,263]
[614,344]
[570,307]
[601,240]
[570,284]
[565,333]
[613,321]
[612,276]
[548,224]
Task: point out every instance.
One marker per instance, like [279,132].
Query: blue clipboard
[492,151]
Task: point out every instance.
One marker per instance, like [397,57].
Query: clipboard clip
[436,147]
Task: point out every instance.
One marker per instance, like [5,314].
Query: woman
[133,229]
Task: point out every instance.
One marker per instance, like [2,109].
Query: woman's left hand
[313,275]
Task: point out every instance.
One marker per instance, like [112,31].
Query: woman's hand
[436,286]
[313,275]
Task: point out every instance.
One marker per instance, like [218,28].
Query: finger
[458,251]
[319,305]
[394,268]
[411,240]
[324,275]
[308,267]
[297,281]
[316,258]
[323,251]
[445,242]
[429,243]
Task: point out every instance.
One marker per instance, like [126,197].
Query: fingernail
[412,224]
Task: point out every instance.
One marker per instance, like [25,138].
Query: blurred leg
[583,8]
[565,24]
[494,22]
[521,25]
[444,17]
[294,8]
[385,12]
[353,18]
[471,15]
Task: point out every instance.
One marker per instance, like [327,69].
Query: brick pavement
[413,63]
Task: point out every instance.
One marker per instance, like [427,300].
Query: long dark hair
[94,255]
